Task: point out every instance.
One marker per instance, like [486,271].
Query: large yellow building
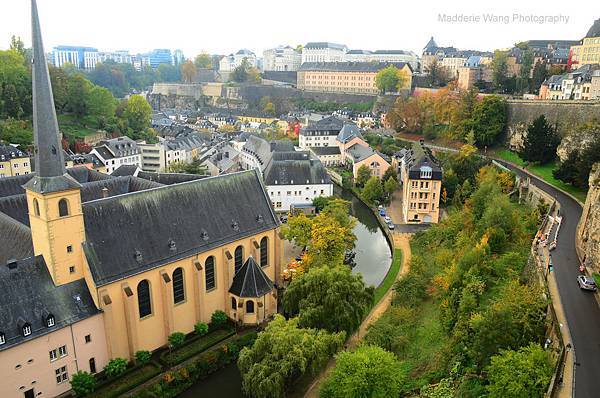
[348,77]
[103,266]
[13,162]
[588,51]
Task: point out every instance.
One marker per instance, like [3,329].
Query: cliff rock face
[579,140]
[588,230]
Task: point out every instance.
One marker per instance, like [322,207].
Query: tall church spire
[49,162]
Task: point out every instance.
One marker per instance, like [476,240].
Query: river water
[373,260]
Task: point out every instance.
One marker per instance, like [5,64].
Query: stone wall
[565,114]
[588,230]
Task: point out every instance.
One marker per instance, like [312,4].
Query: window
[50,321]
[26,330]
[63,208]
[144,302]
[92,365]
[264,252]
[250,307]
[72,269]
[239,258]
[88,338]
[62,351]
[2,338]
[53,355]
[36,207]
[209,273]
[69,249]
[178,287]
[61,375]
[233,303]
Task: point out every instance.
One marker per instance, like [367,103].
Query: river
[373,260]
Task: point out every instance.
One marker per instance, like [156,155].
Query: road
[581,308]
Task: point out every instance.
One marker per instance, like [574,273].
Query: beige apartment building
[588,51]
[347,77]
[13,162]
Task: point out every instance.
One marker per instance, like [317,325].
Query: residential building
[116,152]
[159,56]
[450,58]
[78,56]
[159,157]
[595,86]
[132,258]
[421,178]
[321,133]
[282,59]
[229,62]
[223,160]
[13,162]
[476,71]
[323,52]
[383,56]
[327,155]
[588,49]
[347,77]
[357,153]
[140,61]
[577,84]
[121,57]
[453,62]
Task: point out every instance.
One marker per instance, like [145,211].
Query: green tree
[15,85]
[169,73]
[60,82]
[373,191]
[390,186]
[320,202]
[523,373]
[218,319]
[137,112]
[362,175]
[115,367]
[101,103]
[83,383]
[541,142]
[327,298]
[437,74]
[500,70]
[281,354]
[78,92]
[540,73]
[388,79]
[525,71]
[203,61]
[390,172]
[489,120]
[369,371]
[188,71]
[240,73]
[298,229]
[17,132]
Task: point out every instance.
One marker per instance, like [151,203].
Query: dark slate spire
[251,281]
[49,163]
[431,45]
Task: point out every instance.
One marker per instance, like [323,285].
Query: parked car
[380,207]
[382,212]
[391,226]
[586,283]
[388,219]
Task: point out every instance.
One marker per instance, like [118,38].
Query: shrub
[142,357]
[218,318]
[201,328]
[83,383]
[115,367]
[176,339]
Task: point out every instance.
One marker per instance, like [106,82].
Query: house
[321,133]
[323,52]
[359,153]
[110,265]
[116,152]
[282,58]
[232,61]
[13,162]
[328,155]
[421,178]
[587,51]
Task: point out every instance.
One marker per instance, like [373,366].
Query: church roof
[349,131]
[133,233]
[29,296]
[16,240]
[594,29]
[251,281]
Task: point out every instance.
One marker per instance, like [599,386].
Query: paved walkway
[394,210]
[402,242]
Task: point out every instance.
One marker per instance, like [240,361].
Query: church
[94,267]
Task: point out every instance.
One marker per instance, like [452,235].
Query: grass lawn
[128,381]
[542,171]
[189,349]
[390,277]
[73,126]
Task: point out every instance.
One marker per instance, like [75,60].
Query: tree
[176,339]
[101,103]
[188,71]
[17,132]
[390,79]
[203,61]
[281,354]
[500,70]
[541,142]
[83,383]
[137,112]
[78,92]
[373,191]
[437,75]
[329,241]
[240,73]
[523,373]
[320,202]
[327,298]
[218,319]
[15,85]
[390,172]
[362,175]
[194,167]
[200,328]
[60,81]
[369,371]
[525,71]
[298,229]
[390,186]
[169,73]
[115,367]
[576,168]
[540,73]
[489,119]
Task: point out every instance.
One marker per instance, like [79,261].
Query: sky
[224,26]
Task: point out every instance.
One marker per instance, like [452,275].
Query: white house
[229,62]
[116,152]
[281,59]
[321,133]
[323,52]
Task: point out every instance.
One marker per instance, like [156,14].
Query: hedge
[127,381]
[195,346]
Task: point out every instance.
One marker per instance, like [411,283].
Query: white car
[388,219]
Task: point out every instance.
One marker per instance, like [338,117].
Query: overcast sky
[224,26]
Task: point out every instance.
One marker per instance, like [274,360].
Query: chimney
[12,263]
[227,154]
[105,192]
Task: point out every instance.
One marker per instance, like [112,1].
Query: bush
[83,383]
[201,328]
[176,339]
[195,346]
[218,318]
[130,380]
[142,357]
[115,367]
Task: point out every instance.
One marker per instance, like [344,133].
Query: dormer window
[172,245]
[138,256]
[50,321]
[26,329]
[426,172]
[2,338]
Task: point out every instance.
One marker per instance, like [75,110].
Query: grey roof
[350,66]
[295,168]
[417,158]
[125,170]
[29,296]
[324,44]
[15,240]
[431,45]
[331,125]
[349,131]
[325,150]
[118,147]
[594,29]
[263,150]
[360,152]
[10,152]
[251,281]
[195,216]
